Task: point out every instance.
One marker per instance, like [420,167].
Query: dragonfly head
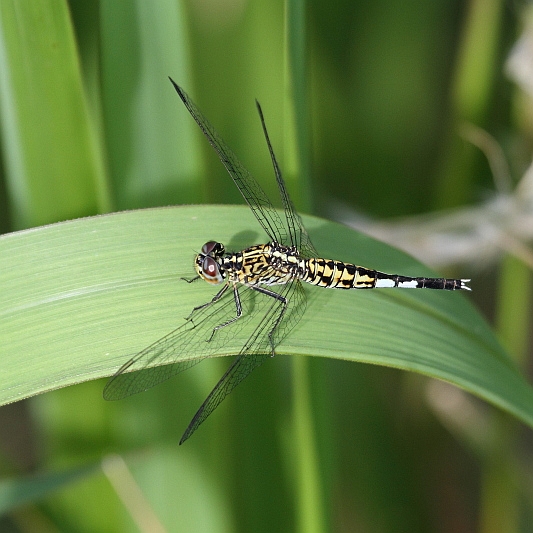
[207,262]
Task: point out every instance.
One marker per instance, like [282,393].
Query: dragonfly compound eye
[208,247]
[210,270]
[213,248]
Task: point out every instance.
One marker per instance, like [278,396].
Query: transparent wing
[184,347]
[256,350]
[252,192]
[193,341]
[297,233]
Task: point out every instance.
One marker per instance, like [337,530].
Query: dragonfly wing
[240,368]
[124,383]
[182,348]
[252,192]
[297,232]
[255,351]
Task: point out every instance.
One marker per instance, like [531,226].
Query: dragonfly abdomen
[339,275]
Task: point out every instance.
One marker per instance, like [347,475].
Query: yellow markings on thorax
[249,266]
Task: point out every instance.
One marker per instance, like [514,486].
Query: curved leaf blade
[79,298]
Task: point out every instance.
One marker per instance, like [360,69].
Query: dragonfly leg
[190,280]
[238,308]
[283,301]
[215,298]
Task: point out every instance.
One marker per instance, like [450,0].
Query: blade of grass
[79,297]
[500,495]
[297,127]
[477,64]
[53,165]
[153,157]
[310,488]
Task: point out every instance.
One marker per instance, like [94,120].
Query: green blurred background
[384,88]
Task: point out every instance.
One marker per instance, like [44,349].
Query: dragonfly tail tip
[464,285]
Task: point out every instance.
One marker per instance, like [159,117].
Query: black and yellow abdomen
[334,274]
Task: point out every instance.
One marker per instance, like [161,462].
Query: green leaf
[80,297]
[53,160]
[153,158]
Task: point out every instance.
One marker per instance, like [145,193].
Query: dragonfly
[261,298]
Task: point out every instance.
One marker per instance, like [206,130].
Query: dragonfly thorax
[286,260]
[263,264]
